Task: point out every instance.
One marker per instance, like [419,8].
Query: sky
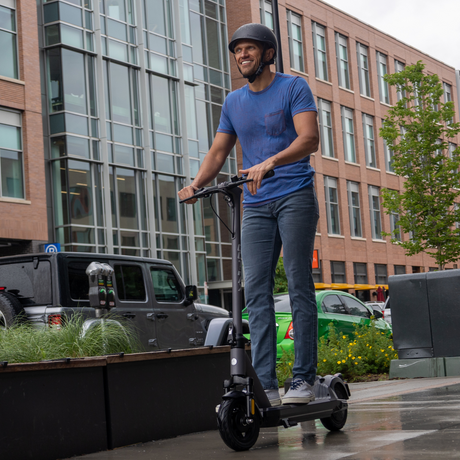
[431,26]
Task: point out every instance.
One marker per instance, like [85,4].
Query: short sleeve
[225,124]
[302,99]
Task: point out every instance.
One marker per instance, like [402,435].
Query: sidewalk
[415,419]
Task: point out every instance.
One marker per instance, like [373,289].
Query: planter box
[74,407]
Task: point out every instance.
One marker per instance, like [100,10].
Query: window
[130,282]
[341,47]
[374,206]
[369,143]
[332,205]
[355,307]
[388,157]
[332,304]
[165,285]
[8,39]
[319,49]
[363,70]
[399,67]
[325,122]
[448,97]
[348,132]
[382,69]
[266,13]
[354,209]
[394,226]
[360,272]
[338,272]
[294,22]
[381,274]
[11,159]
[400,269]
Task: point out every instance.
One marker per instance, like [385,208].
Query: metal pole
[276,25]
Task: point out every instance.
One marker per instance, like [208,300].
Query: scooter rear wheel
[234,429]
[337,420]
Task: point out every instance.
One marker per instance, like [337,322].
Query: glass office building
[133,91]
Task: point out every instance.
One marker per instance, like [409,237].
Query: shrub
[27,343]
[369,352]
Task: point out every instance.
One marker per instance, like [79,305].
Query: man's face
[248,56]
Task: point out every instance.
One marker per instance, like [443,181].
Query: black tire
[337,420]
[11,310]
[234,431]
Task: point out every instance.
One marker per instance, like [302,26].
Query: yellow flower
[338,362]
[353,357]
[359,357]
[324,360]
[343,360]
[344,337]
[356,363]
[370,347]
[383,351]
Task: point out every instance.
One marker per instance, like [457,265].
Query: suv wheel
[10,308]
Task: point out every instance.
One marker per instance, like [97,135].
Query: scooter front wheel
[235,429]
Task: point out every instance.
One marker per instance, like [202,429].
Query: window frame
[343,75]
[326,131]
[353,187]
[336,272]
[384,90]
[13,6]
[316,27]
[332,207]
[369,143]
[290,15]
[363,72]
[351,157]
[376,223]
[13,118]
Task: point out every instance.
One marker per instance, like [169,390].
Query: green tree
[417,131]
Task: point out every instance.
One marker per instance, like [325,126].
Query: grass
[24,343]
[366,356]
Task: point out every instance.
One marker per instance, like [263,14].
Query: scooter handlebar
[235,181]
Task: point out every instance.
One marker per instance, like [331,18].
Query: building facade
[344,61]
[132,94]
[23,210]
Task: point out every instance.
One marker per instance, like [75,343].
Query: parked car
[376,305]
[341,309]
[44,288]
[387,311]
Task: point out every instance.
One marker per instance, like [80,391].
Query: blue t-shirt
[263,122]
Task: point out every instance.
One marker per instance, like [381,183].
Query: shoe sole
[275,402]
[301,400]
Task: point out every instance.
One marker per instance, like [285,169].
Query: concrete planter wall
[59,409]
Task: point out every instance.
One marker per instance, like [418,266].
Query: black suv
[150,292]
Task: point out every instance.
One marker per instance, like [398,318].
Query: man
[274,118]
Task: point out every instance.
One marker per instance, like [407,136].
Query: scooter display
[245,407]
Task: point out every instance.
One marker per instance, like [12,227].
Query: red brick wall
[26,219]
[344,248]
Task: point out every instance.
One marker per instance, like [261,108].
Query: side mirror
[377,314]
[191,294]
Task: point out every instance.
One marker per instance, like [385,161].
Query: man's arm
[307,142]
[211,166]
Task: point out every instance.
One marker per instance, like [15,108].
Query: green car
[341,309]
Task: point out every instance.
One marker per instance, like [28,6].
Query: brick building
[343,60]
[23,222]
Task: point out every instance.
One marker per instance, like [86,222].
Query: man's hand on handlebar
[256,173]
[186,192]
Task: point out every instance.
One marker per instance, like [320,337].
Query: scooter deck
[291,414]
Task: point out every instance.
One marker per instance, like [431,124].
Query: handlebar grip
[269,174]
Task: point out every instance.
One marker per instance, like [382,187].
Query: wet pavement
[391,420]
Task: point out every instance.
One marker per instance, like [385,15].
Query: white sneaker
[273,396]
[299,393]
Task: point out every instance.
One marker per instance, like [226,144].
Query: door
[177,324]
[132,302]
[336,313]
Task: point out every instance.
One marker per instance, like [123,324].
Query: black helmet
[257,32]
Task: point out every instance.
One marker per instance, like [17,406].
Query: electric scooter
[245,407]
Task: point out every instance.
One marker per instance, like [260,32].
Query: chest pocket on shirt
[275,123]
